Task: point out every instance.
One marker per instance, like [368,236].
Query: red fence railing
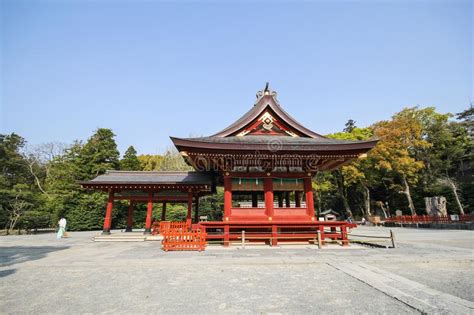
[163,226]
[413,219]
[184,240]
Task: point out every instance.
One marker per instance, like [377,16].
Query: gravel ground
[43,275]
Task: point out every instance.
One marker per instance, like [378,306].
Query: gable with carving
[268,124]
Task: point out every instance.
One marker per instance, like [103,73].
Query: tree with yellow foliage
[395,154]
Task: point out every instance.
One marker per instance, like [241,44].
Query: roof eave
[182,144]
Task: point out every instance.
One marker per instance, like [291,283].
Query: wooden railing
[413,219]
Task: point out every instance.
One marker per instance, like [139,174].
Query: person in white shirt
[62,228]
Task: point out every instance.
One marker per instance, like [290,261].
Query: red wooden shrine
[265,162]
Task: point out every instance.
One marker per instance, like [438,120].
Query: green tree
[448,147]
[130,160]
[350,126]
[150,162]
[18,193]
[83,209]
[100,153]
[359,173]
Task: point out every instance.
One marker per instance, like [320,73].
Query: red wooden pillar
[163,212]
[196,209]
[309,196]
[268,190]
[227,197]
[287,199]
[108,213]
[297,199]
[149,213]
[190,209]
[130,217]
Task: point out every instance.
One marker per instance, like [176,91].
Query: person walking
[62,228]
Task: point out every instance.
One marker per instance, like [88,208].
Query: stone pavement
[431,271]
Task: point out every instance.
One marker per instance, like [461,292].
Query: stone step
[108,238]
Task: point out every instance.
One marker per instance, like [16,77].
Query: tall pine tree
[100,153]
[130,160]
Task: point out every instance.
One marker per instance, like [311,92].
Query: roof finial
[267,90]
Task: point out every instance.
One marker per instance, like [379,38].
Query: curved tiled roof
[152,177]
[272,143]
[299,138]
[264,102]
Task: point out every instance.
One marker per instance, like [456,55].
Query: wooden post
[149,213]
[287,199]
[108,213]
[392,236]
[227,197]
[297,199]
[130,216]
[243,238]
[309,196]
[274,241]
[226,235]
[163,212]
[268,190]
[190,209]
[319,239]
[322,235]
[254,200]
[345,240]
[196,209]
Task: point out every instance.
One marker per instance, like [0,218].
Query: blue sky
[150,69]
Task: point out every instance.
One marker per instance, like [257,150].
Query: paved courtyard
[431,271]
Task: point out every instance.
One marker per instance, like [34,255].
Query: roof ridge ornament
[266,91]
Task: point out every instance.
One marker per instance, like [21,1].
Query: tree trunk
[456,196]
[367,200]
[12,224]
[406,192]
[383,210]
[319,199]
[37,180]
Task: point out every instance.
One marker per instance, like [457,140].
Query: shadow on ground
[18,254]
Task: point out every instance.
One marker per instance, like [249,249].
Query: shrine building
[265,162]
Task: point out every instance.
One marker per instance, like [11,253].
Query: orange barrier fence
[184,240]
[413,219]
[163,226]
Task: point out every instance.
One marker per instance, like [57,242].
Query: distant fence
[415,219]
